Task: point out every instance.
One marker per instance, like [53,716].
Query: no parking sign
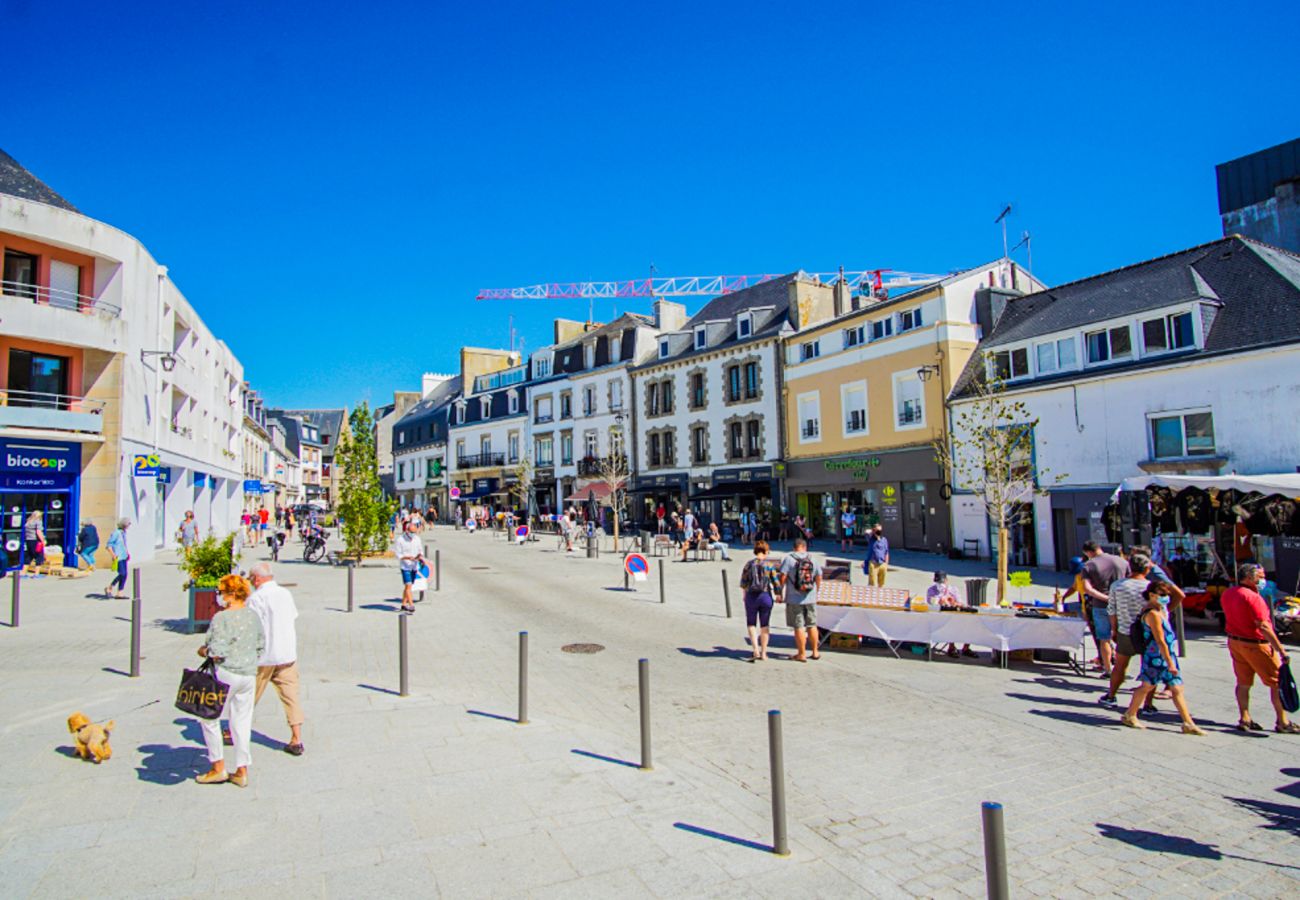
[637,566]
[454,493]
[521,534]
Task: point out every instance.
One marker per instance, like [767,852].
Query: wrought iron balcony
[591,466]
[481,460]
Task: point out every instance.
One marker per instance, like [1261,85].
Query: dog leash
[133,709]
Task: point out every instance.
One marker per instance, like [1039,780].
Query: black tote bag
[201,693]
[1287,688]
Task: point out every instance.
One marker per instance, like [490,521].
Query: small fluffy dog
[91,739]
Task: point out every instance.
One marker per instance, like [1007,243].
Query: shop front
[544,487]
[902,490]
[649,492]
[43,477]
[731,492]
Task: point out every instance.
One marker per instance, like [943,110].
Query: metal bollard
[661,582]
[522,719]
[351,570]
[135,622]
[402,657]
[626,586]
[1178,626]
[17,576]
[643,683]
[592,547]
[776,754]
[645,542]
[995,852]
[437,570]
[726,592]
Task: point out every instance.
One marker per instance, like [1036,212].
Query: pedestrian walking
[34,537]
[1126,604]
[88,543]
[1159,661]
[278,664]
[121,556]
[759,583]
[235,642]
[188,532]
[876,564]
[675,525]
[409,550]
[800,578]
[716,542]
[848,522]
[1255,648]
[263,516]
[1100,571]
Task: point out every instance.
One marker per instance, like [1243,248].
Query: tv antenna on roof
[1029,249]
[1002,220]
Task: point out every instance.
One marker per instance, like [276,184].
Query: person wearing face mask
[235,642]
[1159,662]
[1255,648]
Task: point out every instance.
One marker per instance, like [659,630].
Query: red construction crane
[878,282]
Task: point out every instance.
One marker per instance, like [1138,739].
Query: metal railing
[480,460]
[42,295]
[591,465]
[45,400]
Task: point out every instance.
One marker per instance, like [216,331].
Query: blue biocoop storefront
[38,476]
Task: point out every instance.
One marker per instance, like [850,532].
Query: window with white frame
[1011,364]
[809,350]
[542,367]
[566,405]
[542,412]
[854,336]
[589,355]
[909,319]
[853,400]
[1056,356]
[1109,344]
[512,446]
[1174,436]
[589,400]
[810,417]
[401,437]
[699,444]
[590,444]
[545,450]
[744,325]
[566,448]
[615,347]
[460,451]
[460,413]
[401,471]
[1168,333]
[616,394]
[663,348]
[882,328]
[514,402]
[701,337]
[909,401]
[485,444]
[485,407]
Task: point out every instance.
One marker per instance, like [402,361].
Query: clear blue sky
[330,185]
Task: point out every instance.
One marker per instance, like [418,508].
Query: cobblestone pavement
[440,793]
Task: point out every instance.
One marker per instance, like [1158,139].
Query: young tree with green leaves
[362,506]
[989,450]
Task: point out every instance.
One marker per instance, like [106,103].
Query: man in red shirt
[1254,647]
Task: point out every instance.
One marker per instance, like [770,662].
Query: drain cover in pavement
[583,648]
[479,568]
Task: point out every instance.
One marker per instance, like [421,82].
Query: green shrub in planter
[208,561]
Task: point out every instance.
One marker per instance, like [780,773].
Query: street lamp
[925,372]
[168,358]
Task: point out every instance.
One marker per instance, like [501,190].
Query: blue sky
[330,184]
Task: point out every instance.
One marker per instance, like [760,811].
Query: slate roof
[16,181]
[292,433]
[429,406]
[1255,286]
[329,422]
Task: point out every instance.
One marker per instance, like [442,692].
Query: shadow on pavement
[110,670]
[718,652]
[1156,842]
[67,751]
[1087,685]
[383,607]
[381,690]
[1078,718]
[487,715]
[608,759]
[720,836]
[176,626]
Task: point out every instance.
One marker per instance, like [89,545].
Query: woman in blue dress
[1159,662]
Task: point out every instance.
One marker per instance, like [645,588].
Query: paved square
[442,794]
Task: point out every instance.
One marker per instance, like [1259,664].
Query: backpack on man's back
[805,574]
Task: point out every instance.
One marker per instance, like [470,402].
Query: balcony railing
[591,465]
[48,296]
[61,412]
[480,460]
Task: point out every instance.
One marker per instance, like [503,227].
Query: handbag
[1287,688]
[201,693]
[40,547]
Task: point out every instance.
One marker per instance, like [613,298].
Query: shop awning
[1285,483]
[596,490]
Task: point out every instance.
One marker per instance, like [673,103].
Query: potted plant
[206,563]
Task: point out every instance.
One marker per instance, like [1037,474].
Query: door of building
[159,510]
[914,536]
[1062,534]
[17,507]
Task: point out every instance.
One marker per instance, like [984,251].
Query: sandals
[1249,726]
[212,778]
[1130,721]
[1193,728]
[1288,728]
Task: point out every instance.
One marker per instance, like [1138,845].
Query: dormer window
[1009,364]
[1168,333]
[854,336]
[701,337]
[744,325]
[909,319]
[882,329]
[663,348]
[485,408]
[615,347]
[460,414]
[1109,344]
[514,402]
[589,354]
[809,350]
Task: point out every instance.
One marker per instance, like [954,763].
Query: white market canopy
[1286,483]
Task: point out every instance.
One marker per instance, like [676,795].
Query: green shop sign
[859,467]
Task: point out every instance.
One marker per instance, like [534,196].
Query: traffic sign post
[521,534]
[637,566]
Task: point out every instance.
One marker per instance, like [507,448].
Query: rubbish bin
[976,591]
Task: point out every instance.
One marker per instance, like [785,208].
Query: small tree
[362,506]
[612,470]
[522,489]
[990,450]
